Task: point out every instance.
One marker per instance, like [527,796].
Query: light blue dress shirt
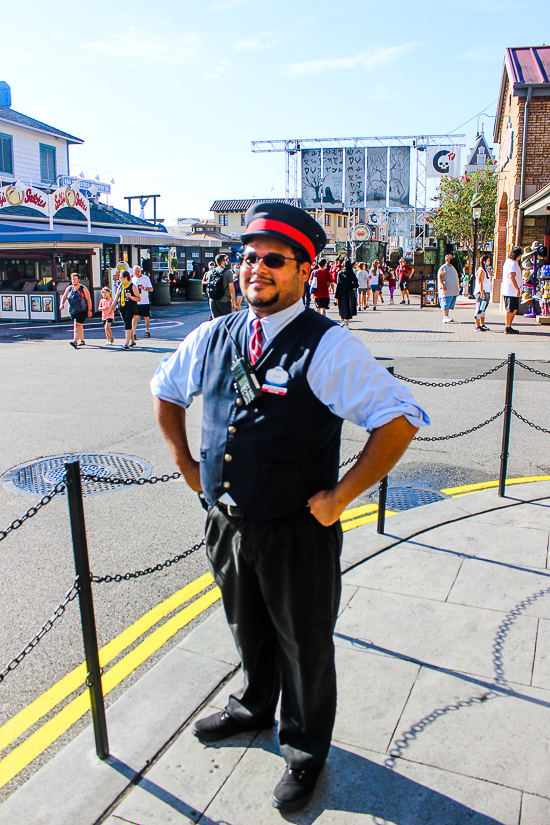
[343,374]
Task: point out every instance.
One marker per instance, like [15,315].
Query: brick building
[522,128]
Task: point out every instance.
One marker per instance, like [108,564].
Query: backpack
[215,286]
[77,301]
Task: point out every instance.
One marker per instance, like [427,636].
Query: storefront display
[428,292]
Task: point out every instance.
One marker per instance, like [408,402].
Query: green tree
[452,219]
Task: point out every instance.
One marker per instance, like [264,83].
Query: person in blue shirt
[277,382]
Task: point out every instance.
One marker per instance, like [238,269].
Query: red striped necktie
[256,342]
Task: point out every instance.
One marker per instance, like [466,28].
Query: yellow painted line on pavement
[27,717]
[358,522]
[37,742]
[354,512]
[484,485]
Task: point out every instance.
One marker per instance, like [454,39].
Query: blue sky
[169,96]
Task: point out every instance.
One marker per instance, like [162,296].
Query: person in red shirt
[321,287]
[404,272]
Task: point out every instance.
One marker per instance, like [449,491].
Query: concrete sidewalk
[443,657]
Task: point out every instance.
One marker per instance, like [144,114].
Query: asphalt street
[56,400]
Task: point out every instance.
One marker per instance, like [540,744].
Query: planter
[194,290]
[161,294]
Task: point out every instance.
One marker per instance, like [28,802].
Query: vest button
[226,485]
[239,402]
[231,429]
[228,457]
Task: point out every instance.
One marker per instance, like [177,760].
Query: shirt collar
[273,324]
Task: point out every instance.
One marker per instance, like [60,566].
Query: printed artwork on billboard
[333,171]
[311,178]
[355,178]
[400,174]
[377,176]
[443,161]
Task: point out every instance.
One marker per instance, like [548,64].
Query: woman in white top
[363,289]
[374,277]
[482,292]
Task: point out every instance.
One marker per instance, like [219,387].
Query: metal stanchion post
[383,493]
[506,424]
[82,568]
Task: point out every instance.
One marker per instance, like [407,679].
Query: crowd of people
[355,287]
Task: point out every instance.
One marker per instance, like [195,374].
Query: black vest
[273,455]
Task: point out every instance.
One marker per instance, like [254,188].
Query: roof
[99,213]
[15,234]
[479,155]
[523,67]
[243,205]
[11,116]
[537,204]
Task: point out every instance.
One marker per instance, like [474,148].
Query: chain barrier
[530,423]
[136,574]
[126,482]
[465,432]
[71,594]
[32,511]
[453,383]
[532,369]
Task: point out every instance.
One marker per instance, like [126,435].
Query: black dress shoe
[221,725]
[295,789]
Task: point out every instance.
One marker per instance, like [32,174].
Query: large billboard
[400,175]
[311,178]
[355,178]
[377,176]
[333,172]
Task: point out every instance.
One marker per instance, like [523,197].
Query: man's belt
[230,510]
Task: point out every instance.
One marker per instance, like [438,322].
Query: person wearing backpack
[80,307]
[219,288]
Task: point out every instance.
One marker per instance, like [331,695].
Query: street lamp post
[476,215]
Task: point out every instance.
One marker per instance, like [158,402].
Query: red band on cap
[283,229]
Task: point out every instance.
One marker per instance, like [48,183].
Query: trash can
[194,290]
[161,294]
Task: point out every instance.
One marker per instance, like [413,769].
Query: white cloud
[147,48]
[259,43]
[375,58]
[217,72]
[484,55]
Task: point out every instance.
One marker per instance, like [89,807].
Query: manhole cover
[39,477]
[405,498]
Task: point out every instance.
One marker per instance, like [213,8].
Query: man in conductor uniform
[277,381]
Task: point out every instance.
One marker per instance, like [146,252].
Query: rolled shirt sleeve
[178,377]
[345,376]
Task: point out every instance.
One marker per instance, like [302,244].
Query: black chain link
[532,369]
[530,423]
[453,383]
[136,574]
[464,432]
[32,511]
[71,594]
[129,481]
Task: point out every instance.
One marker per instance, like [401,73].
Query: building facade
[522,130]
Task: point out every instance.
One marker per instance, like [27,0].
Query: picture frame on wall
[47,303]
[36,304]
[20,303]
[7,303]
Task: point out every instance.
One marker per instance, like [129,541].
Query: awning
[537,204]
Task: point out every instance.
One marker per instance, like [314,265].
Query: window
[47,164]
[345,221]
[327,219]
[6,154]
[224,220]
[243,219]
[339,220]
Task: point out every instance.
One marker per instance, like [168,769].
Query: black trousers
[280,583]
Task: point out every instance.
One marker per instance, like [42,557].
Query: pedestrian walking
[127,298]
[512,282]
[345,293]
[404,273]
[219,288]
[106,307]
[482,292]
[447,285]
[390,277]
[236,286]
[144,286]
[363,288]
[321,293]
[80,308]
[271,430]
[374,277]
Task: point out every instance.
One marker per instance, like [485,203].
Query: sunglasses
[273,260]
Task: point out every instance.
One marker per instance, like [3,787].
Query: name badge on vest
[275,381]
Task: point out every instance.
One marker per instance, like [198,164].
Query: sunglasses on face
[273,260]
